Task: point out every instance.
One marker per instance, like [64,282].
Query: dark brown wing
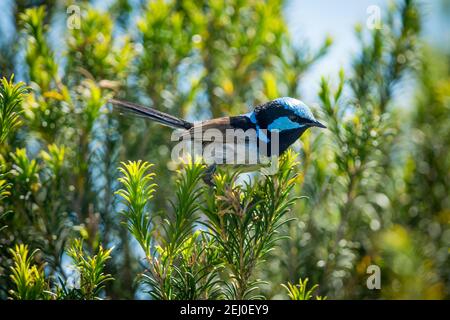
[205,130]
[224,127]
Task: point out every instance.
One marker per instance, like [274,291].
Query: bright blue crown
[296,106]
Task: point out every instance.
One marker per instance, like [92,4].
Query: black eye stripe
[299,119]
[306,121]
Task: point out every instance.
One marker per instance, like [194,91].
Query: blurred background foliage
[374,187]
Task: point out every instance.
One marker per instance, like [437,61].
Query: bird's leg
[209,173]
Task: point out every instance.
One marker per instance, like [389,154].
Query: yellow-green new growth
[11,96]
[138,190]
[29,281]
[300,291]
[90,269]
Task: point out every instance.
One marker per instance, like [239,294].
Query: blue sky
[311,21]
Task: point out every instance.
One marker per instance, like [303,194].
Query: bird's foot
[208,175]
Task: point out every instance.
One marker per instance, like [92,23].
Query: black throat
[285,139]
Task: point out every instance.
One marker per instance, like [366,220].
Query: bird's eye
[293,118]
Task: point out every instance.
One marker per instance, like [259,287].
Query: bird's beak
[320,125]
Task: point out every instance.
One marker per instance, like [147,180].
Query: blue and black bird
[286,117]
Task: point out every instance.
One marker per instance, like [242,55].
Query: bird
[268,130]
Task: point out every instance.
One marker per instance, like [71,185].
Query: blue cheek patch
[283,123]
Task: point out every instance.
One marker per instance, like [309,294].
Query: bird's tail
[149,113]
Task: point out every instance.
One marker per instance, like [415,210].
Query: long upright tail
[158,116]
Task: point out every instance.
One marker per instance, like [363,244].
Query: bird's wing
[204,131]
[224,127]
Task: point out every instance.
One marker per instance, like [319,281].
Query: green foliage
[40,59]
[90,270]
[424,204]
[138,191]
[36,205]
[186,262]
[4,193]
[29,280]
[189,273]
[244,221]
[93,52]
[11,97]
[182,263]
[25,170]
[54,159]
[349,174]
[188,196]
[301,291]
[242,224]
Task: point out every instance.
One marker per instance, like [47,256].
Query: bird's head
[284,114]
